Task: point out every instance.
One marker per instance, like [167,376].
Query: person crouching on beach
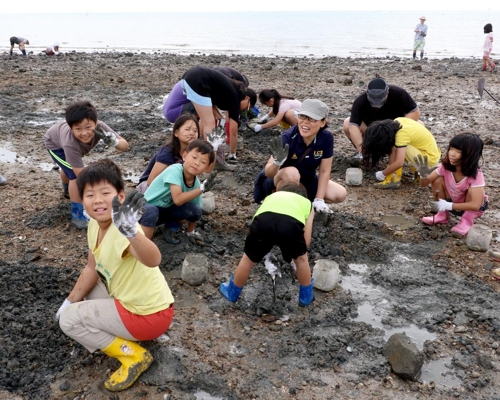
[487,47]
[208,91]
[185,131]
[298,154]
[52,50]
[380,101]
[67,142]
[402,140]
[457,183]
[174,196]
[284,219]
[21,42]
[284,110]
[121,296]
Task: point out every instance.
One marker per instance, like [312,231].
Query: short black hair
[488,28]
[378,140]
[297,188]
[202,147]
[253,96]
[103,170]
[79,111]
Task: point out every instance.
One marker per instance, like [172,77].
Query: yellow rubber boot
[392,181]
[135,360]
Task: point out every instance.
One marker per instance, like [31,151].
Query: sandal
[495,255]
[495,273]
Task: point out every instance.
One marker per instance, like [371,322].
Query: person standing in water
[419,42]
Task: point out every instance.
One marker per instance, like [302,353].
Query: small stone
[64,386]
[460,329]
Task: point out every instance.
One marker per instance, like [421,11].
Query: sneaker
[483,68]
[169,235]
[195,238]
[80,223]
[232,158]
[224,166]
[356,159]
[393,181]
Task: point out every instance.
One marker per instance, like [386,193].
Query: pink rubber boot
[466,222]
[440,218]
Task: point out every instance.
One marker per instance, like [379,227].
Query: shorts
[155,216]
[419,44]
[195,97]
[269,229]
[487,53]
[459,213]
[60,159]
[264,186]
[13,41]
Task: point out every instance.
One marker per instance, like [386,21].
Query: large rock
[405,359]
[194,269]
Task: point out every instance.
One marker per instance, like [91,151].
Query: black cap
[377,92]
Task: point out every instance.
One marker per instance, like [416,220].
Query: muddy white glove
[217,137]
[380,176]
[421,165]
[109,138]
[320,206]
[209,182]
[278,151]
[257,128]
[441,205]
[125,216]
[65,304]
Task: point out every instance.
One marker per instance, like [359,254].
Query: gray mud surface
[407,275]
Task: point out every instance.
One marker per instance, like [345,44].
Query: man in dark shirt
[380,101]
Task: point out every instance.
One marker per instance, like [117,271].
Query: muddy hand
[217,137]
[109,138]
[208,183]
[126,215]
[278,151]
[421,165]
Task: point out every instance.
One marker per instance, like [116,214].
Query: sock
[24,52]
[11,53]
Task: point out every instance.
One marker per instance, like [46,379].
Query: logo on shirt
[294,157]
[318,154]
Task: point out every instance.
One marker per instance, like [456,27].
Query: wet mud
[397,274]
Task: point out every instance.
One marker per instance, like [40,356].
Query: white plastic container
[479,237]
[326,275]
[354,176]
[208,202]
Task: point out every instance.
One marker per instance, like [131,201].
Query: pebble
[460,329]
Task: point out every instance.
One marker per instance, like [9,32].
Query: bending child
[67,142]
[284,110]
[402,140]
[121,296]
[457,183]
[174,197]
[284,219]
[185,130]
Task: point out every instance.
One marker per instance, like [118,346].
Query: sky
[100,6]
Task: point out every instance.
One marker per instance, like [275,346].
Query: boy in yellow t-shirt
[121,296]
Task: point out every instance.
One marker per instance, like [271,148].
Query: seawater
[310,34]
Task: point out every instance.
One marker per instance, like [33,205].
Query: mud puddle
[11,157]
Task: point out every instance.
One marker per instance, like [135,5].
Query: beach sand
[256,348]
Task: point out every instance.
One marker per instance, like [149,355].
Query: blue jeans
[170,216]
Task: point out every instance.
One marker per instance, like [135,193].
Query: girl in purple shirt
[185,130]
